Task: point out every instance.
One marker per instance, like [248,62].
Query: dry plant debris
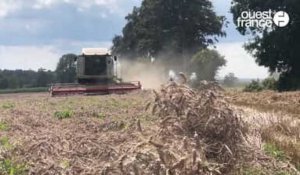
[183,131]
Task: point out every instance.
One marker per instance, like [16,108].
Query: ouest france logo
[263,19]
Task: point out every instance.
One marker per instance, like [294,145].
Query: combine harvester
[97,74]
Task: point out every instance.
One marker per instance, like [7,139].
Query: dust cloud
[151,75]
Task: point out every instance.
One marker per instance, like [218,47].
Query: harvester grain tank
[96,74]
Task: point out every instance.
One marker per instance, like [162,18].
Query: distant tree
[12,79]
[230,80]
[44,78]
[277,47]
[3,82]
[206,63]
[66,69]
[14,82]
[175,27]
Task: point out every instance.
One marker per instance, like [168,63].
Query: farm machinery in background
[97,74]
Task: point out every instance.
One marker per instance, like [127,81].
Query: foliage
[65,164]
[269,83]
[14,81]
[44,78]
[275,48]
[66,69]
[206,63]
[273,151]
[8,105]
[101,116]
[63,114]
[4,142]
[9,167]
[254,86]
[174,27]
[230,80]
[287,81]
[3,126]
[19,79]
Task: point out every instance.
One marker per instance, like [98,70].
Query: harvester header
[96,74]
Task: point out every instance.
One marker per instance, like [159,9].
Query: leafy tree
[66,69]
[276,48]
[230,80]
[178,28]
[206,63]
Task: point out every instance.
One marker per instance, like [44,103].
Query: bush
[254,86]
[266,84]
[269,83]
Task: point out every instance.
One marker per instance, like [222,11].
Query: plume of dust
[151,74]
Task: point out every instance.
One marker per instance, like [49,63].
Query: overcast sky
[35,33]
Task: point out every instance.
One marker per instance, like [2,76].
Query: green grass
[23,90]
[272,150]
[63,114]
[9,167]
[65,164]
[3,126]
[100,116]
[8,105]
[4,142]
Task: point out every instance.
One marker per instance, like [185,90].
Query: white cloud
[112,6]
[8,6]
[35,57]
[28,57]
[40,4]
[240,62]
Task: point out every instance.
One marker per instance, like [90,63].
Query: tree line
[15,79]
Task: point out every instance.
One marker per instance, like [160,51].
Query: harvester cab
[96,74]
[96,65]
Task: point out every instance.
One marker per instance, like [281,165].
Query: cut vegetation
[176,130]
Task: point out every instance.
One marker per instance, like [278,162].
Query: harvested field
[276,116]
[172,131]
[270,101]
